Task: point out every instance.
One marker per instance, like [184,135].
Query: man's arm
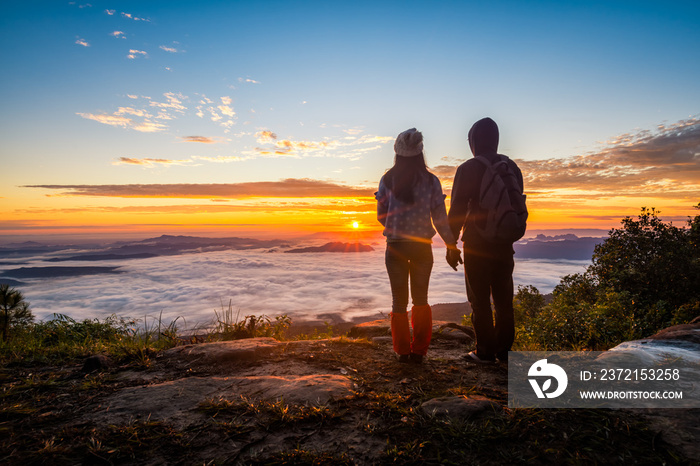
[459,203]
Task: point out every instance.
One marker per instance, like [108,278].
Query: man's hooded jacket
[464,208]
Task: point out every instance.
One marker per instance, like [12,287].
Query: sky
[227,118]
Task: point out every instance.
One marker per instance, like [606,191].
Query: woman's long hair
[405,175]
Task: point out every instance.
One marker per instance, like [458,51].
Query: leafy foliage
[645,276]
[15,310]
[651,260]
[528,302]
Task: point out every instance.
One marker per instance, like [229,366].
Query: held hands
[453,257]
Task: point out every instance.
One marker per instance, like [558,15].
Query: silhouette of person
[409,202]
[488,265]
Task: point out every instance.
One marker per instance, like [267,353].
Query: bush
[651,260]
[528,302]
[644,278]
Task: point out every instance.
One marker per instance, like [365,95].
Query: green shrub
[644,278]
[15,310]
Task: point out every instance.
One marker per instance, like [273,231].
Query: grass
[269,413]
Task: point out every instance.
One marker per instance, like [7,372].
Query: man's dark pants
[487,277]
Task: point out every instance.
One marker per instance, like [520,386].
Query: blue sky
[118,93]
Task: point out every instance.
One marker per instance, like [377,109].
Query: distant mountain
[28,249]
[170,245]
[53,272]
[10,282]
[334,247]
[102,257]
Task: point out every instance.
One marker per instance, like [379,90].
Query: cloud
[291,187]
[444,172]
[221,206]
[202,139]
[225,107]
[289,147]
[648,163]
[254,282]
[143,120]
[118,34]
[149,127]
[132,111]
[169,49]
[149,163]
[217,113]
[352,148]
[111,120]
[352,131]
[132,17]
[133,54]
[110,12]
[124,122]
[265,136]
[248,80]
[223,159]
[82,42]
[174,102]
[663,163]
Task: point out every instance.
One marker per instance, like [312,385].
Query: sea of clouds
[304,286]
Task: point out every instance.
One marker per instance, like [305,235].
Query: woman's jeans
[408,262]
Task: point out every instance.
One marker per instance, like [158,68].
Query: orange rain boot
[422,323]
[400,334]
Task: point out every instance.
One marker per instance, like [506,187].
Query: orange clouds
[202,139]
[150,162]
[350,147]
[291,188]
[294,205]
[658,168]
[663,163]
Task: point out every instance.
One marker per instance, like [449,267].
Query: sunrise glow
[182,123]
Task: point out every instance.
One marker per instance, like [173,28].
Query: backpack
[502,200]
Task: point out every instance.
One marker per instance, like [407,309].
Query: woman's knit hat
[409,143]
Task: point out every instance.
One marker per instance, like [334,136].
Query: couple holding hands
[487,209]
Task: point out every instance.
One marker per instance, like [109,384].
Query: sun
[355,225]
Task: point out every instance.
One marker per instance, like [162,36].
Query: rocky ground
[342,400]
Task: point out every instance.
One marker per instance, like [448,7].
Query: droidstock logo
[541,369]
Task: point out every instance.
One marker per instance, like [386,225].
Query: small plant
[140,343]
[229,327]
[316,335]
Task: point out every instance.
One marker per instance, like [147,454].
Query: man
[488,265]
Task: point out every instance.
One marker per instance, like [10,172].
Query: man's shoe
[474,357]
[416,358]
[404,358]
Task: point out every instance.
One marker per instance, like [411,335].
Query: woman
[409,202]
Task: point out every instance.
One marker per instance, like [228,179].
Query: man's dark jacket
[464,207]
